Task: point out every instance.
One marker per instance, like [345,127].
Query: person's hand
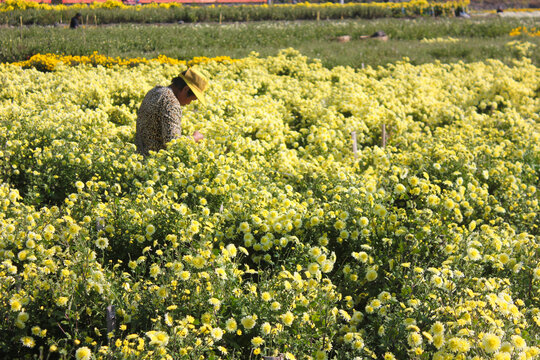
[197,136]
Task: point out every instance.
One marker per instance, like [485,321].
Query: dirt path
[520,14]
[509,14]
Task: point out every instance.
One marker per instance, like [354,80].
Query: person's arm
[197,136]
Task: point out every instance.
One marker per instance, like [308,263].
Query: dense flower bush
[272,236]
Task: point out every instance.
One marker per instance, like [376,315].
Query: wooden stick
[111,319]
[383,135]
[354,144]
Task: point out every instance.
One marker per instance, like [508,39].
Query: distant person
[377,35]
[499,9]
[160,114]
[76,21]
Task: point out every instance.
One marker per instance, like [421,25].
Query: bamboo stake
[383,135]
[354,144]
[220,16]
[318,15]
[20,19]
[111,320]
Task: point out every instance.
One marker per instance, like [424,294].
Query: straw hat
[196,82]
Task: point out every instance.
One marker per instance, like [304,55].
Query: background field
[478,39]
[114,12]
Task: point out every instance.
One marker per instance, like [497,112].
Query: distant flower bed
[522,30]
[49,62]
[440,40]
[111,11]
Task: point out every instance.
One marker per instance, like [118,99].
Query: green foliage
[478,40]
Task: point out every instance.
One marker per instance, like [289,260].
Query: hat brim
[198,93]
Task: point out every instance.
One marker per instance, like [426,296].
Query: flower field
[27,12]
[272,236]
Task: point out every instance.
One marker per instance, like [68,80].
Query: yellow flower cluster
[414,5]
[49,62]
[521,48]
[272,235]
[440,40]
[522,30]
[419,5]
[10,5]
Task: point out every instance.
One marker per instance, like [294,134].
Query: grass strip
[455,39]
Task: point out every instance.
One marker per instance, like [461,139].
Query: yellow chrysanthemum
[83,353]
[491,343]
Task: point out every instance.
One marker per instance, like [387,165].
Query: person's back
[160,114]
[157,121]
[75,21]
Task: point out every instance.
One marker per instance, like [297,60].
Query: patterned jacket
[158,120]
